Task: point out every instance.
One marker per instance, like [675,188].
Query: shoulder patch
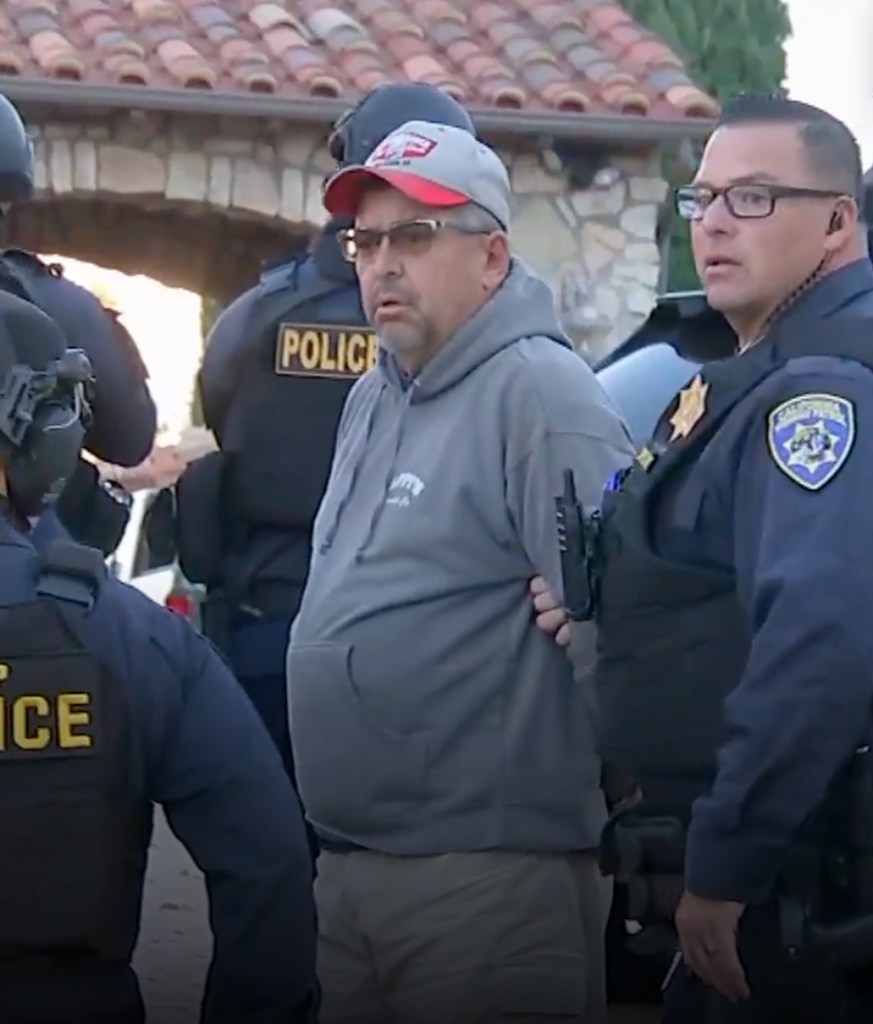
[810,437]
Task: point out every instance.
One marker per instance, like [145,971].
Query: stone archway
[201,201]
[188,201]
[203,251]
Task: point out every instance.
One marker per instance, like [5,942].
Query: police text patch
[810,437]
[313,350]
[42,715]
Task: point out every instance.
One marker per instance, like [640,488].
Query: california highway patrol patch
[810,438]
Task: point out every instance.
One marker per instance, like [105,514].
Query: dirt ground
[175,943]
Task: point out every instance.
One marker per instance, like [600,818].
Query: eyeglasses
[406,236]
[746,202]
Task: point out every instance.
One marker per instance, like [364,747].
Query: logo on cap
[401,148]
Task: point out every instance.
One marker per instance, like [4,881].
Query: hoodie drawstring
[360,452]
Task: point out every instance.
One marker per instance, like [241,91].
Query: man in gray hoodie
[446,757]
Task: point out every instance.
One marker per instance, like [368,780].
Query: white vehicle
[152,571]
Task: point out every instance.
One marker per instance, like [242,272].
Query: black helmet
[16,155]
[357,133]
[45,411]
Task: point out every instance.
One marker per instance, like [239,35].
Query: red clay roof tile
[534,55]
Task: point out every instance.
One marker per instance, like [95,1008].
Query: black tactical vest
[305,344]
[281,425]
[672,639]
[70,856]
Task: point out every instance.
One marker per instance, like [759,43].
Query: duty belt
[647,855]
[824,893]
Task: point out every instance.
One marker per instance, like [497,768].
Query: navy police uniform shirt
[125,416]
[263,396]
[783,493]
[198,748]
[228,334]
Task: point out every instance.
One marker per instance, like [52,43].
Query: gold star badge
[692,405]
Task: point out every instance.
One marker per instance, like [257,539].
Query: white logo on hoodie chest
[405,487]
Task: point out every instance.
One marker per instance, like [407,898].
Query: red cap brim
[343,193]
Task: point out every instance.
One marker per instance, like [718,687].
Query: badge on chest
[690,408]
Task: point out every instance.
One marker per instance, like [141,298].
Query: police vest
[306,345]
[69,852]
[672,639]
[281,426]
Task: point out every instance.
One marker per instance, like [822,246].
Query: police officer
[125,417]
[734,572]
[109,704]
[279,363]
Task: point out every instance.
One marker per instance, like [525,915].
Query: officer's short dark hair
[832,150]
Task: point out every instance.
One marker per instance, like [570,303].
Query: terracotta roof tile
[535,55]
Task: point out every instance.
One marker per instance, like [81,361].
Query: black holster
[825,894]
[647,855]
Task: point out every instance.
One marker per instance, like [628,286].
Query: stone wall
[199,203]
[597,248]
[194,203]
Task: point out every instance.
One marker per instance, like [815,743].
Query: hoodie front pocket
[356,774]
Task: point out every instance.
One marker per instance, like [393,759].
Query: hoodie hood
[523,307]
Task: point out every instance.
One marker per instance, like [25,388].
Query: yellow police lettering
[30,722]
[26,733]
[304,350]
[71,719]
[289,346]
[4,672]
[310,350]
[328,360]
[351,352]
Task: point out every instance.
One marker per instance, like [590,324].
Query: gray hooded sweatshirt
[428,712]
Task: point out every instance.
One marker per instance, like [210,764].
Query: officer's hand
[551,617]
[708,934]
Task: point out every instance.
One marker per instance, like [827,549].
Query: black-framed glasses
[405,236]
[747,202]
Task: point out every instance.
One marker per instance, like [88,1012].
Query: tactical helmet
[357,133]
[45,412]
[16,155]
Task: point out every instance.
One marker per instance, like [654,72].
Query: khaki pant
[462,938]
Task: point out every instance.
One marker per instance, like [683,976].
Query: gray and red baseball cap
[433,164]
